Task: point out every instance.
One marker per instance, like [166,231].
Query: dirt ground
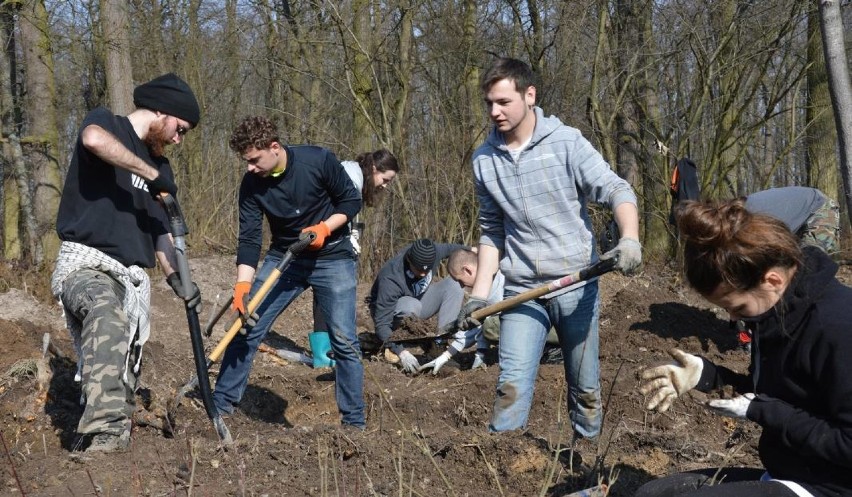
[426,435]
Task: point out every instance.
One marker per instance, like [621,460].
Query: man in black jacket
[297,189]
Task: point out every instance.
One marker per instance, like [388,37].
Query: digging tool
[287,355]
[238,323]
[179,232]
[597,269]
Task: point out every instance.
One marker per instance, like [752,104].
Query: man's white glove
[629,252]
[665,383]
[732,408]
[479,360]
[408,362]
[436,363]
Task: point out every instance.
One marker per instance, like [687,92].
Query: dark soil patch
[411,328]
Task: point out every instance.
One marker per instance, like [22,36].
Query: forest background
[756,93]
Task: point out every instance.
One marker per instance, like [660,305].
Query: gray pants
[96,300]
[443,298]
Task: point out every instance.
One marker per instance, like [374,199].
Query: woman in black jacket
[799,385]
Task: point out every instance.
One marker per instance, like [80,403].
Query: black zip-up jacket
[801,372]
[312,188]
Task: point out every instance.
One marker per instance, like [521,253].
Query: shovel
[238,323]
[597,269]
[179,232]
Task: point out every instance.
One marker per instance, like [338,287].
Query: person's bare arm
[103,144]
[627,217]
[336,221]
[488,259]
[166,254]
[245,272]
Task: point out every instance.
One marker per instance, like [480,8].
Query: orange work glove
[241,297]
[321,231]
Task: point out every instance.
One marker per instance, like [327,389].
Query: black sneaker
[552,355]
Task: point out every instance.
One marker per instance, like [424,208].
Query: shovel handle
[599,268]
[304,240]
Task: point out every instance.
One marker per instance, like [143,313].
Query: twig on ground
[12,464]
[193,459]
[490,469]
[551,470]
[95,487]
[342,483]
[369,481]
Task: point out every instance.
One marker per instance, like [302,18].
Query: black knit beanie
[168,94]
[421,254]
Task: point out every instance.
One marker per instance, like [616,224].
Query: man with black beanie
[404,288]
[112,227]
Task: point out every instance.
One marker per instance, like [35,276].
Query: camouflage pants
[491,331]
[95,299]
[822,229]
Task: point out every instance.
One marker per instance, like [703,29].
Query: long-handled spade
[179,232]
[238,324]
[597,269]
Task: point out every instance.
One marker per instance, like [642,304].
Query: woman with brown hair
[799,386]
[371,173]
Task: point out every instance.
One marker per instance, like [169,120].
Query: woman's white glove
[408,362]
[668,382]
[436,363]
[732,408]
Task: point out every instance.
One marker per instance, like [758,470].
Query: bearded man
[112,227]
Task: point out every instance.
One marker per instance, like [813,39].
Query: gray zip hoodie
[535,210]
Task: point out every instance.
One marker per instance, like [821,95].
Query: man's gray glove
[629,253]
[668,382]
[732,408]
[479,360]
[193,299]
[465,321]
[408,362]
[436,363]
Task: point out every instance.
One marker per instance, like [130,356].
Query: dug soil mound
[426,434]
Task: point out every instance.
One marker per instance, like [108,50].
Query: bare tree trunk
[598,117]
[116,43]
[41,142]
[404,77]
[821,135]
[360,74]
[25,228]
[840,87]
[728,150]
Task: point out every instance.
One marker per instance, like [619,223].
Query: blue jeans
[523,332]
[334,284]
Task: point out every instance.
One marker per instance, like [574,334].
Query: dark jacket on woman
[801,372]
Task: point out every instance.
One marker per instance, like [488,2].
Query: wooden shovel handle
[599,268]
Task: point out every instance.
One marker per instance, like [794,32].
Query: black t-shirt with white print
[107,207]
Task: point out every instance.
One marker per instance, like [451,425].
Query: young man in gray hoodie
[534,177]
